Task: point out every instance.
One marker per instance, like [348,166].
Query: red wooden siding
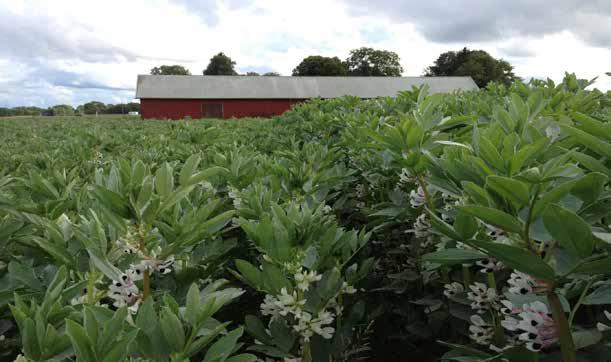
[232,108]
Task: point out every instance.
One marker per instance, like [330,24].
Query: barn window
[212,110]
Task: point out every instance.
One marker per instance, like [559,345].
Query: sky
[74,51]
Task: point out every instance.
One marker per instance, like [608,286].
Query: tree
[94,108]
[478,64]
[271,74]
[319,65]
[61,110]
[371,62]
[252,74]
[170,70]
[220,64]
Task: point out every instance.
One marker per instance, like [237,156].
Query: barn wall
[232,108]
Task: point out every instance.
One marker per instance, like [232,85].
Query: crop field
[460,227]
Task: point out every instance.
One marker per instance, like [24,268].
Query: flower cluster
[452,289]
[360,191]
[234,194]
[482,297]
[417,197]
[304,279]
[124,291]
[480,331]
[520,283]
[490,265]
[422,226]
[533,324]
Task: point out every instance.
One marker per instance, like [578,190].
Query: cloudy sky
[74,51]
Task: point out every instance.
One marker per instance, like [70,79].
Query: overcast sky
[74,51]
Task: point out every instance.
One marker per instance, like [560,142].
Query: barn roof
[264,87]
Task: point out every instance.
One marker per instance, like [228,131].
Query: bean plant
[471,226]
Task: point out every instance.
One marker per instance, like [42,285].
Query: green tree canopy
[478,64]
[319,65]
[170,70]
[252,74]
[372,62]
[271,74]
[94,107]
[220,64]
[61,110]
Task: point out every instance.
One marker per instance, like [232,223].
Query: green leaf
[586,337]
[252,274]
[223,348]
[175,197]
[593,143]
[244,357]
[591,163]
[518,258]
[557,193]
[465,225]
[164,180]
[511,189]
[29,340]
[193,305]
[592,126]
[438,224]
[590,187]
[494,217]
[24,275]
[255,327]
[570,230]
[172,330]
[600,266]
[490,154]
[188,169]
[80,342]
[274,280]
[602,295]
[454,256]
[120,348]
[101,262]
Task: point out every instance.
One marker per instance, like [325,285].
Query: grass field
[412,228]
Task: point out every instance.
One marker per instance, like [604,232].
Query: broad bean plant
[472,226]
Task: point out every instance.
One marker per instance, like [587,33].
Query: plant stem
[307,352]
[580,300]
[491,281]
[146,278]
[567,346]
[466,276]
[526,235]
[91,286]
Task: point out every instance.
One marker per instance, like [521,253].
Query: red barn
[196,96]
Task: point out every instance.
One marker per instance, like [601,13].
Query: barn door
[212,110]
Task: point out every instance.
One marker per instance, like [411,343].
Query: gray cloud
[207,10]
[43,37]
[452,21]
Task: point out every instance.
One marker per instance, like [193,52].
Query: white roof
[264,87]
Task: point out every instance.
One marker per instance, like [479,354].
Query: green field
[396,229]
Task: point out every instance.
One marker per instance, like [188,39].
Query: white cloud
[71,51]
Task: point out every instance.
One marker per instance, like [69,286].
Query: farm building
[177,97]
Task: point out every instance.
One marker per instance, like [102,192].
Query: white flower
[417,197]
[481,297]
[603,327]
[326,209]
[520,283]
[123,291]
[535,326]
[270,305]
[307,326]
[490,265]
[552,131]
[404,176]
[496,234]
[347,289]
[360,190]
[421,226]
[480,331]
[452,289]
[304,279]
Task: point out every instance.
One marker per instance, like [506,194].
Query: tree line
[93,107]
[369,62]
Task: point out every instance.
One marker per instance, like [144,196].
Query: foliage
[317,65]
[478,64]
[220,64]
[170,70]
[373,62]
[460,227]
